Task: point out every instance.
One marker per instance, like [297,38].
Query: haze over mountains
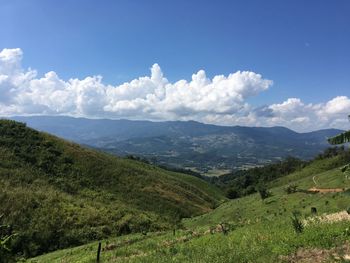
[202,147]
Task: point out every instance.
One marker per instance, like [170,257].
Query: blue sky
[302,46]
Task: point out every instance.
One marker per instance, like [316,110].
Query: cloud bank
[220,100]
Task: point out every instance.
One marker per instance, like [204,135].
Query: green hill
[56,194]
[258,230]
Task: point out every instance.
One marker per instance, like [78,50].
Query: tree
[341,139]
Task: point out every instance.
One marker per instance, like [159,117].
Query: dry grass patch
[328,218]
[316,255]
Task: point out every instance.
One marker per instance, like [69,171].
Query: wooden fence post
[98,252]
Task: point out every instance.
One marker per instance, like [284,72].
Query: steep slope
[187,144]
[258,230]
[57,194]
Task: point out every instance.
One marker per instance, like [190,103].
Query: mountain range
[206,148]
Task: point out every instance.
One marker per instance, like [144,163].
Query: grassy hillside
[244,182]
[55,194]
[259,230]
[281,204]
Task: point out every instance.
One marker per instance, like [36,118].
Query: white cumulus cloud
[220,100]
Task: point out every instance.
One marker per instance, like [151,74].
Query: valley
[60,197]
[174,131]
[192,145]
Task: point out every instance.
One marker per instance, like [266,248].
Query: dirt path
[326,190]
[316,189]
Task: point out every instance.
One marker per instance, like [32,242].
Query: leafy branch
[341,139]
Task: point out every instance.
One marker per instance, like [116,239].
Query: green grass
[280,204]
[316,167]
[261,231]
[265,242]
[56,194]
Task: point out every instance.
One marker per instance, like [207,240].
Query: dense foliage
[56,194]
[243,182]
[340,139]
[5,244]
[332,152]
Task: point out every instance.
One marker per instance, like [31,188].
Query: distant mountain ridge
[188,144]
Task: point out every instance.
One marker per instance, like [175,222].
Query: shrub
[297,223]
[290,189]
[263,191]
[5,245]
[232,193]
